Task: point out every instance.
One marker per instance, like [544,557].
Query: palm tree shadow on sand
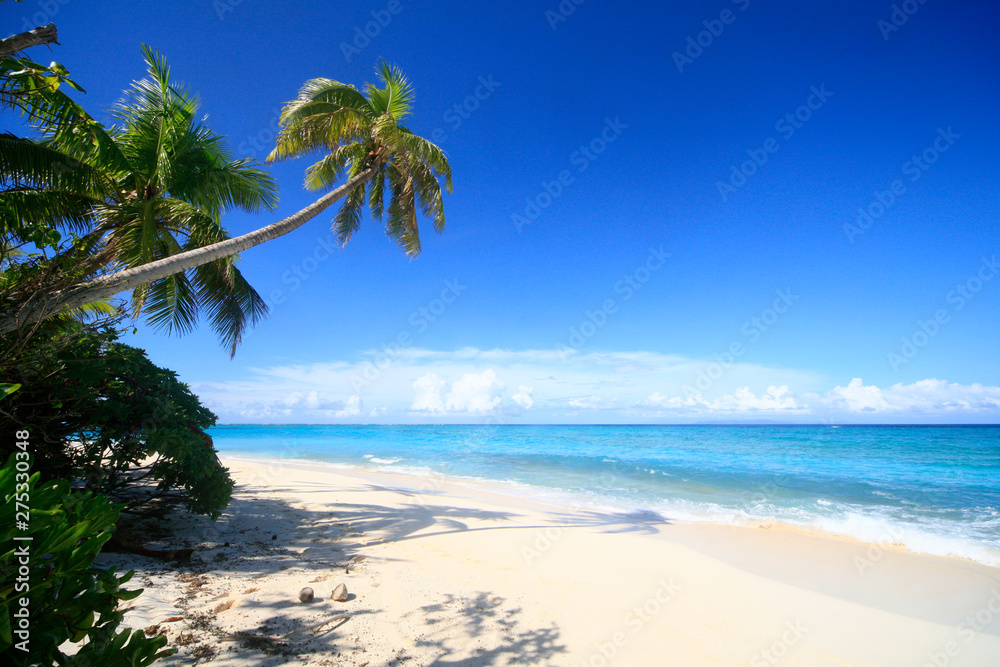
[321,544]
[477,620]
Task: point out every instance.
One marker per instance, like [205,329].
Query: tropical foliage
[70,600]
[153,185]
[362,137]
[359,132]
[88,212]
[102,413]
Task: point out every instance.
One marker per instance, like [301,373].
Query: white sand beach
[445,573]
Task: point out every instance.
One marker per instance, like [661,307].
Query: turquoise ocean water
[932,489]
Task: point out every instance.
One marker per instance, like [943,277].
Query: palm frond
[21,208]
[376,192]
[157,117]
[356,132]
[220,186]
[232,303]
[325,115]
[24,162]
[96,310]
[386,133]
[325,130]
[401,224]
[396,99]
[171,304]
[429,153]
[322,96]
[326,172]
[428,193]
[33,89]
[74,132]
[348,219]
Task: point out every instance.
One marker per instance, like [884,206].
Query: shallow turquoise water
[933,489]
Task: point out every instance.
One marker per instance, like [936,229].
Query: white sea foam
[971,533]
[876,525]
[375,459]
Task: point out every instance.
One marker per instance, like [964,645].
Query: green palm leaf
[232,303]
[355,132]
[348,220]
[152,186]
[168,181]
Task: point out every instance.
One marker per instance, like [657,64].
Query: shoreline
[450,574]
[559,500]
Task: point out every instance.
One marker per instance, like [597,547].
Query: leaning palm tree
[152,186]
[363,138]
[11,255]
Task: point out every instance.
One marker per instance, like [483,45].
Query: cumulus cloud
[476,393]
[610,386]
[523,397]
[658,400]
[298,401]
[351,409]
[856,397]
[775,399]
[940,395]
[920,399]
[428,394]
[744,400]
[309,400]
[929,396]
[479,393]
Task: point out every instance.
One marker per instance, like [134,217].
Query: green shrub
[68,599]
[102,414]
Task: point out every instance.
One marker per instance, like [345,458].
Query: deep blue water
[933,489]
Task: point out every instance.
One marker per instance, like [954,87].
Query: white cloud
[313,400]
[523,397]
[744,400]
[351,409]
[478,393]
[929,396]
[775,399]
[658,400]
[464,385]
[591,402]
[926,398]
[297,399]
[475,393]
[428,396]
[940,395]
[856,397]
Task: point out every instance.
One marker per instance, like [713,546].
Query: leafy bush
[103,414]
[69,599]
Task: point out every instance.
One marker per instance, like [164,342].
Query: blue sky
[655,218]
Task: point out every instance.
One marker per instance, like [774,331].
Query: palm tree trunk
[129,279]
[46,34]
